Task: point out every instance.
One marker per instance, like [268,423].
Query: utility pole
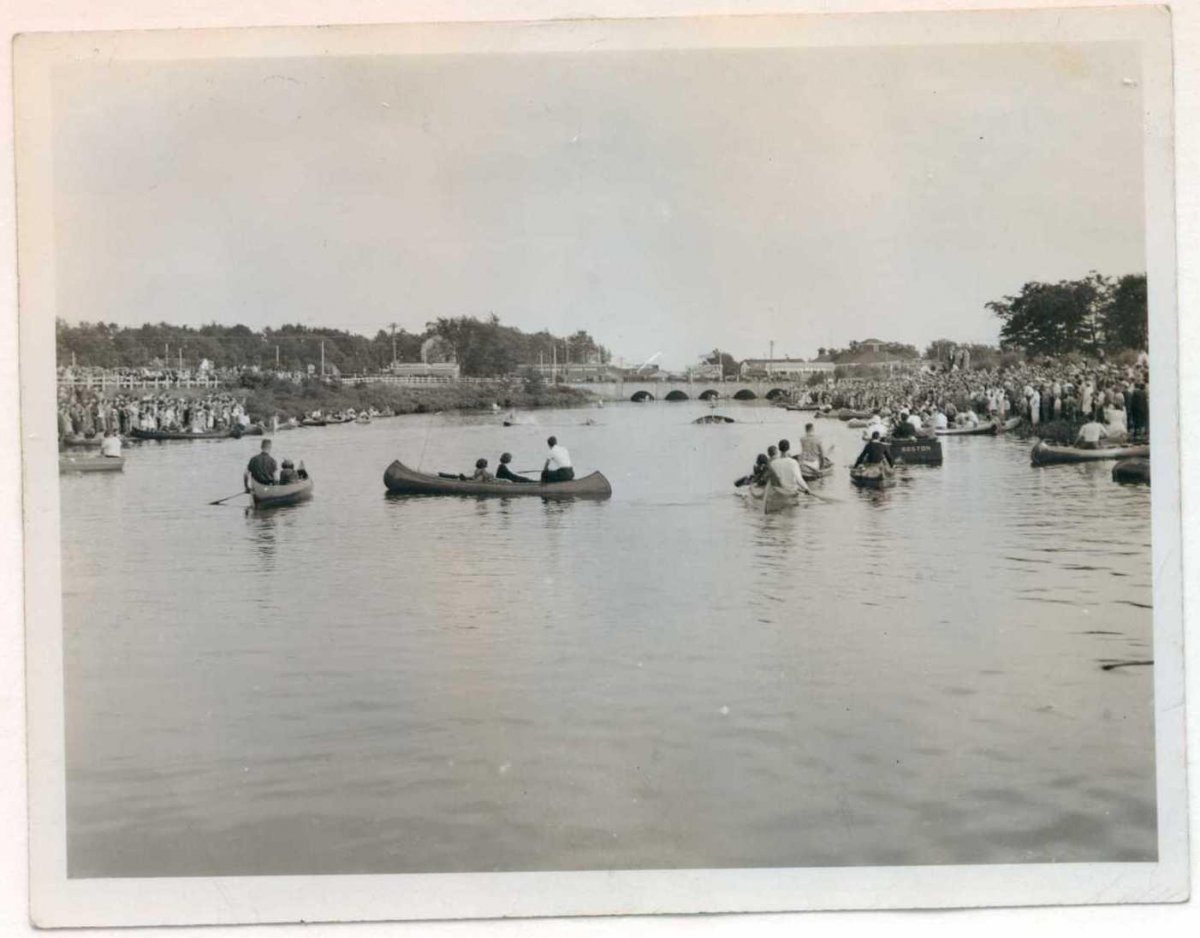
[393,343]
[322,358]
[553,362]
[277,358]
[771,358]
[181,359]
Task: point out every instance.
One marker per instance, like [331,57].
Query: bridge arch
[775,394]
[745,394]
[640,397]
[710,395]
[676,395]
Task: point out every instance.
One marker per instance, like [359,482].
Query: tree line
[483,348]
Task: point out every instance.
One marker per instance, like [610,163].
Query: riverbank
[287,399]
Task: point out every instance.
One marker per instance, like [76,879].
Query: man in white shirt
[558,466]
[110,446]
[783,474]
[1090,435]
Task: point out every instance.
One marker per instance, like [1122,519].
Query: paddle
[227,497]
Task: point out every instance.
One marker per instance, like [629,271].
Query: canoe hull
[876,476]
[91,463]
[278,496]
[810,472]
[1132,472]
[1046,454]
[987,429]
[916,451]
[713,418]
[179,435]
[401,480]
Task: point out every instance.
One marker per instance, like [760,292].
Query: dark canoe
[713,418]
[308,422]
[276,496]
[877,476]
[1010,424]
[91,463]
[916,450]
[1046,454]
[1132,471]
[181,435]
[984,429]
[401,480]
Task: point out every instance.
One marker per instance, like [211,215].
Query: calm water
[665,680]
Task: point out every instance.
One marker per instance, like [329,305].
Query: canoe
[91,463]
[810,472]
[1134,471]
[401,480]
[984,429]
[857,423]
[181,435]
[877,476]
[310,422]
[768,498]
[1047,454]
[916,451]
[1010,424]
[276,496]
[713,418]
[81,442]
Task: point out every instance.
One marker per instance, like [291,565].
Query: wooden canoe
[181,435]
[81,442]
[713,418]
[876,476]
[984,429]
[91,463]
[401,480]
[1132,471]
[810,472]
[277,496]
[1047,454]
[916,450]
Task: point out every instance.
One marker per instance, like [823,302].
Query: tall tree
[1054,318]
[1124,314]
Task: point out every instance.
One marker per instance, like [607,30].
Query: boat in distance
[1134,471]
[277,496]
[1047,454]
[401,480]
[91,463]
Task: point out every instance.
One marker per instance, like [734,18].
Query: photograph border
[59,901]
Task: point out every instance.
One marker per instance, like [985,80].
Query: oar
[227,497]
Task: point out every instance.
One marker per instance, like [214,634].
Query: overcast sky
[665,201]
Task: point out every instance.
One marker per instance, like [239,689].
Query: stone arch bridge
[650,390]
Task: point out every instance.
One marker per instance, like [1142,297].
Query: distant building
[448,370]
[784,369]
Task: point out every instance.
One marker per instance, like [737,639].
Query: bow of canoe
[402,480]
[91,463]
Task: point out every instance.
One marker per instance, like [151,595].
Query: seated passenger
[506,473]
[758,475]
[287,473]
[481,472]
[904,430]
[1090,435]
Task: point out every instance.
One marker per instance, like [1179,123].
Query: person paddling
[874,452]
[783,473]
[558,466]
[812,450]
[261,468]
[504,471]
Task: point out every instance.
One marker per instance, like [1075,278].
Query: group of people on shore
[1040,391]
[557,468]
[86,414]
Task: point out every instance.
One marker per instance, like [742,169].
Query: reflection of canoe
[713,418]
[1134,471]
[81,442]
[181,435]
[877,476]
[857,423]
[91,463]
[401,480]
[1047,454]
[276,496]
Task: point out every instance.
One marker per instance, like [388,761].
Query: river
[668,679]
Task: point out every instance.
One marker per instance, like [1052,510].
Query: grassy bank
[286,399]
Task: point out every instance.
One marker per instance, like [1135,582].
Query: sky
[668,202]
